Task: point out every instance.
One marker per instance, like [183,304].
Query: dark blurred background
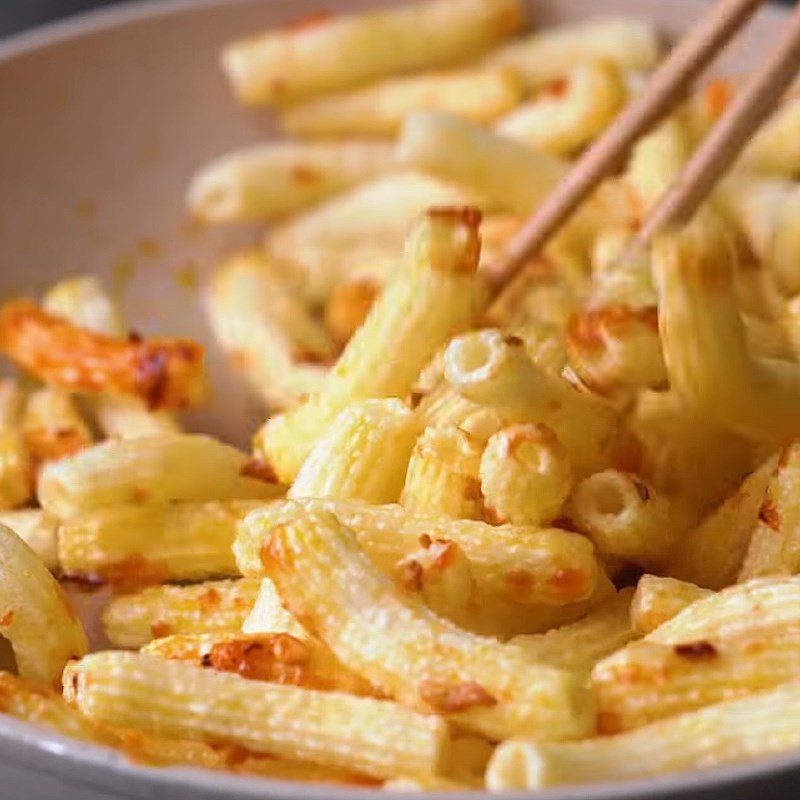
[16,15]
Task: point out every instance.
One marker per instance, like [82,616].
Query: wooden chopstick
[722,146]
[665,87]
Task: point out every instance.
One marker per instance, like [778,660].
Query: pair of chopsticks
[666,87]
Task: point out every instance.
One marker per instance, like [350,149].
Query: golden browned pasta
[525,475]
[711,555]
[35,615]
[399,645]
[348,306]
[272,180]
[172,698]
[726,733]
[213,607]
[166,373]
[494,370]
[481,95]
[326,53]
[16,469]
[151,470]
[38,530]
[363,456]
[409,319]
[53,426]
[442,477]
[657,600]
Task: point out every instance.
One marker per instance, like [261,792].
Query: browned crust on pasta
[165,373]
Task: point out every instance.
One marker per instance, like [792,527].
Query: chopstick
[666,86]
[722,146]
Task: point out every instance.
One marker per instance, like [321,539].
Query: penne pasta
[726,733]
[564,121]
[348,306]
[318,55]
[490,369]
[657,600]
[215,607]
[171,698]
[606,628]
[150,470]
[165,373]
[135,545]
[549,55]
[269,181]
[36,617]
[525,475]
[409,318]
[267,331]
[481,95]
[442,478]
[711,555]
[363,456]
[524,566]
[404,649]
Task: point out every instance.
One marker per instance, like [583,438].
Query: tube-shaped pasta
[704,341]
[217,607]
[711,555]
[150,470]
[492,370]
[550,55]
[442,477]
[328,53]
[775,148]
[481,95]
[165,373]
[726,733]
[523,565]
[626,518]
[359,234]
[173,698]
[16,469]
[525,475]
[53,426]
[408,319]
[658,599]
[83,302]
[35,614]
[267,331]
[685,455]
[138,544]
[363,456]
[646,681]
[762,605]
[270,180]
[38,530]
[394,641]
[606,628]
[775,544]
[615,346]
[563,122]
[657,159]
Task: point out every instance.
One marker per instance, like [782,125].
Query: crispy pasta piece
[363,456]
[165,373]
[394,641]
[216,607]
[726,733]
[525,475]
[658,599]
[409,320]
[494,370]
[38,530]
[53,426]
[173,698]
[152,470]
[16,468]
[327,53]
[35,614]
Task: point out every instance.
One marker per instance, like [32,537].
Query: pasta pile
[553,539]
